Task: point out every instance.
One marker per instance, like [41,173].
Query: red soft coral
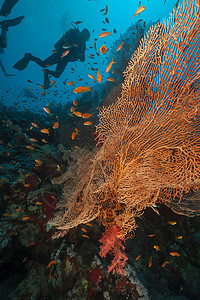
[112,244]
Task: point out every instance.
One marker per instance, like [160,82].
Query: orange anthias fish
[138,11]
[138,257]
[120,46]
[83,229]
[172,223]
[65,53]
[103,49]
[174,254]
[87,123]
[51,262]
[111,79]
[71,83]
[86,115]
[157,248]
[75,102]
[99,77]
[46,110]
[150,262]
[45,131]
[92,77]
[104,34]
[35,125]
[56,125]
[110,65]
[82,89]
[25,218]
[78,114]
[164,264]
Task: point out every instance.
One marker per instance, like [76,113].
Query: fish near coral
[151,148]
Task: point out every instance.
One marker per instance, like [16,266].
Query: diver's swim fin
[12,22]
[46,80]
[22,63]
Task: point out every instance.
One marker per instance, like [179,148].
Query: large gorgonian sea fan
[150,136]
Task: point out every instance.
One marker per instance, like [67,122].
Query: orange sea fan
[150,136]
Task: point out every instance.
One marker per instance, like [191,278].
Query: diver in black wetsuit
[5,24]
[73,41]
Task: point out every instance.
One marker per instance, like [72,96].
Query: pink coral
[112,244]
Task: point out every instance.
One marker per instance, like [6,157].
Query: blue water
[44,24]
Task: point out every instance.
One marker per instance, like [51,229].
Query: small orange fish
[71,83]
[99,77]
[138,11]
[29,80]
[92,77]
[58,168]
[51,262]
[120,46]
[164,264]
[25,218]
[179,237]
[138,257]
[104,34]
[151,235]
[7,215]
[27,185]
[88,224]
[111,79]
[38,203]
[77,147]
[74,135]
[35,125]
[72,109]
[44,141]
[87,123]
[43,93]
[172,222]
[157,248]
[80,79]
[150,262]
[174,254]
[83,229]
[78,114]
[82,89]
[65,53]
[86,115]
[33,140]
[76,45]
[75,102]
[53,82]
[46,110]
[103,49]
[110,65]
[54,51]
[19,209]
[45,131]
[86,236]
[53,197]
[29,147]
[56,125]
[38,161]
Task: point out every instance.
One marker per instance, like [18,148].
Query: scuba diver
[5,24]
[7,7]
[71,47]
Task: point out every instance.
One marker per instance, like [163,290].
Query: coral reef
[150,135]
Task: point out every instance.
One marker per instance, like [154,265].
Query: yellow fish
[110,65]
[82,89]
[104,34]
[138,11]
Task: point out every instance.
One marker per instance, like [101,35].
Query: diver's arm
[4,70]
